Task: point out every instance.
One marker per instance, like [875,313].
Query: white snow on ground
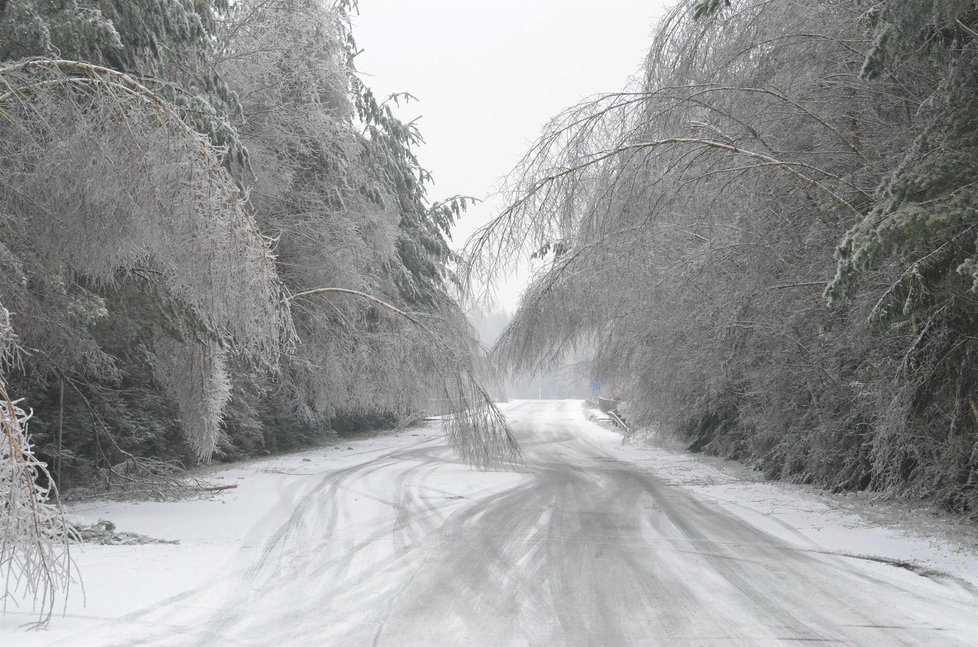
[403,492]
[214,532]
[811,518]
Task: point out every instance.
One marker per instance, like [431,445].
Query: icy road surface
[396,544]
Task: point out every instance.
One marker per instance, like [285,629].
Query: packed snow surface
[391,541]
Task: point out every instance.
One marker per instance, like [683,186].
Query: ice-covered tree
[333,178]
[144,246]
[689,227]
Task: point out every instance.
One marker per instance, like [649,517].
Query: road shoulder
[860,525]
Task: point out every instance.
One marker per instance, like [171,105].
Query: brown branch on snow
[217,488]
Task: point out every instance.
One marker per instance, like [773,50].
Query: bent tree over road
[581,546]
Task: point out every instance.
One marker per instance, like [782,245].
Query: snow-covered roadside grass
[860,525]
[121,582]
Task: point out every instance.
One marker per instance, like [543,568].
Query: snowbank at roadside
[922,540]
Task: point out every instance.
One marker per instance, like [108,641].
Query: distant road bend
[582,548]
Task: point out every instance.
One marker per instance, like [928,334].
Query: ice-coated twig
[35,562]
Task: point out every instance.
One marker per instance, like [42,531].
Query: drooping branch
[34,555]
[476,428]
[200,230]
[305,294]
[485,241]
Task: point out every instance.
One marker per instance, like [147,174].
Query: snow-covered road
[395,543]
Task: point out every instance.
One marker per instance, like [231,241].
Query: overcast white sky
[488,74]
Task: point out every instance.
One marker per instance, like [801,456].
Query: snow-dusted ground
[393,542]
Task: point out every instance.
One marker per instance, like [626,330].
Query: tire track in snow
[579,548]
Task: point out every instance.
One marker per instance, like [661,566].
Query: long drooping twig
[476,428]
[34,555]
